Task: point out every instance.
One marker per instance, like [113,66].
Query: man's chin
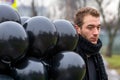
[94,42]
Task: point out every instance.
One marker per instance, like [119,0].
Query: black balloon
[13,41]
[5,77]
[67,35]
[67,65]
[42,35]
[6,71]
[7,13]
[31,69]
[23,19]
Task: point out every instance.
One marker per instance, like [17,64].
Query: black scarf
[84,48]
[87,47]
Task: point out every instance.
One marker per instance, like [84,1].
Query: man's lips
[93,39]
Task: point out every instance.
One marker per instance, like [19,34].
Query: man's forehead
[91,19]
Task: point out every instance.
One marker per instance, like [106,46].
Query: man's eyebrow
[93,25]
[90,24]
[99,25]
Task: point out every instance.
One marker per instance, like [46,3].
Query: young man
[87,24]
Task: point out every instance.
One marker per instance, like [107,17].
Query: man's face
[90,29]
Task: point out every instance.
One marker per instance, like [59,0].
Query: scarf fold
[87,47]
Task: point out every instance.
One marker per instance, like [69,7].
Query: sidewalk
[112,73]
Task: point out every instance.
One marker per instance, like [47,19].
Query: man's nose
[96,31]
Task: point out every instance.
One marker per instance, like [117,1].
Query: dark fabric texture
[89,48]
[91,66]
[85,48]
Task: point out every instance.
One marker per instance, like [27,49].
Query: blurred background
[65,9]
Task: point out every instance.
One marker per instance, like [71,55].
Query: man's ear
[77,29]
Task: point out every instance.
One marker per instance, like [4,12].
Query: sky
[49,2]
[111,8]
[27,2]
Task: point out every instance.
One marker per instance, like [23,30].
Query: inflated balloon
[23,19]
[21,63]
[13,41]
[67,38]
[67,35]
[5,77]
[31,69]
[7,13]
[6,69]
[42,35]
[67,65]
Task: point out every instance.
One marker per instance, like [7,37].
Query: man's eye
[98,27]
[90,27]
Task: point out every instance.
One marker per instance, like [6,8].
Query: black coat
[84,48]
